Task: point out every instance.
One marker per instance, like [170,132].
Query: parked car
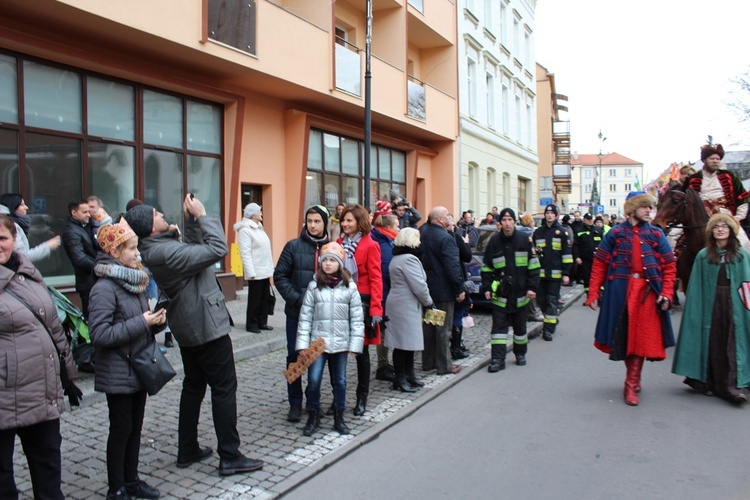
[473,268]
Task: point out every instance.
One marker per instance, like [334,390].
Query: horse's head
[672,209]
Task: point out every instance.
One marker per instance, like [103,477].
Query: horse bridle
[675,223]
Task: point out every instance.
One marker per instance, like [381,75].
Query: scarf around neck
[350,246]
[133,280]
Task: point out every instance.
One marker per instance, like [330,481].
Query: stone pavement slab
[290,457]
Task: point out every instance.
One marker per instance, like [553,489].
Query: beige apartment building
[235,101]
[613,174]
[553,137]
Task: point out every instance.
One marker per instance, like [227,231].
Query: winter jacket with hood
[255,250]
[30,389]
[116,322]
[295,270]
[334,314]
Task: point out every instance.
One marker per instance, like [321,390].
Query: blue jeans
[337,369]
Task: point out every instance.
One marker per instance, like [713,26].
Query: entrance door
[251,193]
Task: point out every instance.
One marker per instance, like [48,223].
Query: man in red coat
[636,266]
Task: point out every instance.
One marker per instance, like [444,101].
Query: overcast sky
[653,75]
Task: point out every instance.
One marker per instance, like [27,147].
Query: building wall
[271,98]
[498,116]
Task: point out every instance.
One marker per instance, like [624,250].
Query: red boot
[634,365]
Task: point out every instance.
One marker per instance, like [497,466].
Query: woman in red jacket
[363,262]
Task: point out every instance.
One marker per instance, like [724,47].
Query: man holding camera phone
[200,322]
[510,278]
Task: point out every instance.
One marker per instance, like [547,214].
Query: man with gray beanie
[200,321]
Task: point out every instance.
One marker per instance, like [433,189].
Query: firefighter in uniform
[510,277]
[587,239]
[556,258]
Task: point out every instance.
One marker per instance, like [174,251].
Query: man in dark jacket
[556,257]
[510,278]
[443,268]
[408,216]
[294,271]
[586,241]
[81,249]
[200,321]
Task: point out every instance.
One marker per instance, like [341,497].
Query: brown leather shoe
[452,371]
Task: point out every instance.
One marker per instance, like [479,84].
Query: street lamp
[601,193]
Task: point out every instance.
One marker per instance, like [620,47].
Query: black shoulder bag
[69,388]
[150,366]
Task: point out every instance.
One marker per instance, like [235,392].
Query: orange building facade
[234,101]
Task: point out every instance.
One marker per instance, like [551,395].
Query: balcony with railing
[416,104]
[561,178]
[348,67]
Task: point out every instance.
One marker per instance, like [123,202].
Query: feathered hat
[709,150]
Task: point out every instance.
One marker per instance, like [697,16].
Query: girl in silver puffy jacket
[332,311]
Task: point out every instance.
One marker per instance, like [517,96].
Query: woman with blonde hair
[409,295]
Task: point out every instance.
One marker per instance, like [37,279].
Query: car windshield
[484,239]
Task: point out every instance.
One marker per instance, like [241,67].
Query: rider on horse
[720,190]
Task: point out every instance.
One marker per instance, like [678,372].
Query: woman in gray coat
[31,395]
[408,295]
[121,322]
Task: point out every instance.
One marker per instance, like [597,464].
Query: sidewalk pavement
[290,458]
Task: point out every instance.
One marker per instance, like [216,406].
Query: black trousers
[210,364]
[258,295]
[41,444]
[124,442]
[548,296]
[363,371]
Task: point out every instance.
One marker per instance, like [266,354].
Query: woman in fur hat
[714,342]
[636,264]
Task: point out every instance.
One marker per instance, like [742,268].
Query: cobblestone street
[289,456]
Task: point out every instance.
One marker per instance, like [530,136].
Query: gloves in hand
[376,320]
[74,394]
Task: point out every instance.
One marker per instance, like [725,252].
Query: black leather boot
[168,339]
[456,351]
[313,422]
[361,407]
[400,384]
[411,377]
[338,422]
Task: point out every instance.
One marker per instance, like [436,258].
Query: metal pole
[368,104]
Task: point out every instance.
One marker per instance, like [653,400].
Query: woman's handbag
[271,301]
[151,367]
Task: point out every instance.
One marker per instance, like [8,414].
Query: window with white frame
[529,123]
[613,203]
[501,21]
[628,172]
[516,37]
[612,188]
[489,89]
[491,187]
[613,172]
[473,184]
[588,173]
[517,118]
[587,188]
[471,87]
[488,4]
[505,105]
[628,187]
[527,60]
